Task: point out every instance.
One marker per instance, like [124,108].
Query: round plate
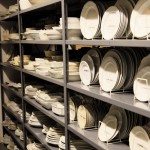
[107,128]
[89,20]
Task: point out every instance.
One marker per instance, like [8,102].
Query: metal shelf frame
[15,138]
[124,100]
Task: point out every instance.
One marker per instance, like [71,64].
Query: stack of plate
[73,28]
[128,5]
[53,135]
[35,146]
[13,8]
[31,90]
[56,70]
[86,116]
[7,139]
[37,119]
[19,132]
[139,138]
[74,103]
[13,36]
[142,81]
[118,123]
[13,106]
[58,108]
[47,126]
[90,19]
[114,23]
[75,144]
[47,99]
[113,74]
[89,66]
[140,19]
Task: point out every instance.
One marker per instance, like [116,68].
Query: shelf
[124,100]
[38,6]
[46,78]
[3,147]
[91,137]
[49,113]
[12,90]
[10,42]
[5,64]
[9,111]
[116,42]
[15,14]
[58,42]
[15,138]
[37,132]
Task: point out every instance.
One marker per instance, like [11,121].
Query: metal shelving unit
[37,132]
[46,78]
[91,137]
[15,138]
[5,64]
[56,42]
[121,99]
[124,100]
[3,147]
[49,113]
[13,91]
[11,113]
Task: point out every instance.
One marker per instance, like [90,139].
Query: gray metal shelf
[3,147]
[15,138]
[116,42]
[38,6]
[5,64]
[12,90]
[58,42]
[49,113]
[46,78]
[91,137]
[9,42]
[10,16]
[124,100]
[37,132]
[9,111]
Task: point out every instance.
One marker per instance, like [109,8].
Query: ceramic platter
[117,124]
[89,66]
[140,19]
[113,71]
[90,19]
[114,22]
[139,138]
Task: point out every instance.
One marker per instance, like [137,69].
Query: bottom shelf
[15,138]
[91,137]
[37,132]
[2,147]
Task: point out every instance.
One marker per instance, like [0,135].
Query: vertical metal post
[65,69]
[21,50]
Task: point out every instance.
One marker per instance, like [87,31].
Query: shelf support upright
[21,50]
[65,69]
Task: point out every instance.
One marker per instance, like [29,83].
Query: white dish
[89,20]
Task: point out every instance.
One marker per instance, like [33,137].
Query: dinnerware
[24,4]
[58,108]
[89,20]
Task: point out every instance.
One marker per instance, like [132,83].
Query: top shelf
[39,6]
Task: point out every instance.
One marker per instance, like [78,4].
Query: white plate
[140,19]
[107,128]
[108,74]
[110,23]
[85,73]
[89,20]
